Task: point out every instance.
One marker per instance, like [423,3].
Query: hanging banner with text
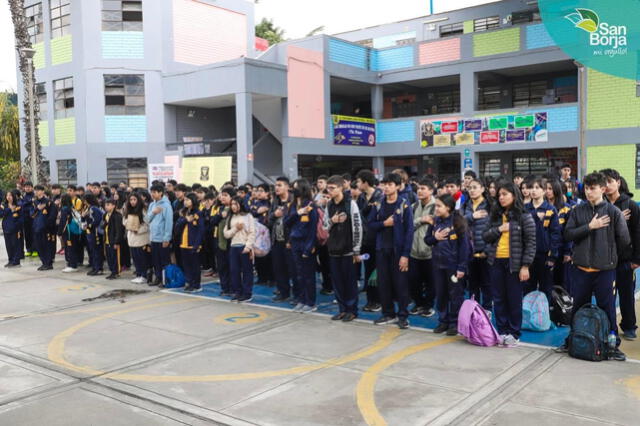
[206,170]
[353,131]
[162,172]
[487,130]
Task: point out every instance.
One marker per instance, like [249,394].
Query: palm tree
[9,129]
[315,31]
[27,71]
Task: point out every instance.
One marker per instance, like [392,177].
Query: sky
[296,17]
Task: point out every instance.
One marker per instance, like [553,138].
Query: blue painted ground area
[262,295]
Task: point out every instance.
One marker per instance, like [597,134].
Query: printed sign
[162,172]
[499,129]
[207,170]
[353,131]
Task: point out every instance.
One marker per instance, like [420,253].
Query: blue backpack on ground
[173,276]
[589,333]
[535,312]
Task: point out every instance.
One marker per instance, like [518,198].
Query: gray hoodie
[419,249]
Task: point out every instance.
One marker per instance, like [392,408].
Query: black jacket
[477,226]
[632,251]
[597,249]
[522,240]
[113,228]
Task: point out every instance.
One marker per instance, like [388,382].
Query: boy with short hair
[281,254]
[420,272]
[44,214]
[113,237]
[160,220]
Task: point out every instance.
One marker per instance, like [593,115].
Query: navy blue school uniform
[369,244]
[449,256]
[548,244]
[303,241]
[218,223]
[12,228]
[113,237]
[392,243]
[191,237]
[284,269]
[478,277]
[44,217]
[27,203]
[70,241]
[562,271]
[94,235]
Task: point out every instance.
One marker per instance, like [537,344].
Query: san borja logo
[611,39]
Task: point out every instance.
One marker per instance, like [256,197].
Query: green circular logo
[600,34]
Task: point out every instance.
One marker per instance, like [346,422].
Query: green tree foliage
[9,128]
[268,31]
[9,174]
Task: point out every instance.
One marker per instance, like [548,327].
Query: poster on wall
[206,170]
[162,172]
[487,130]
[353,131]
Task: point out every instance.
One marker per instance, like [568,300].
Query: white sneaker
[308,309]
[510,341]
[501,339]
[298,307]
[139,280]
[69,269]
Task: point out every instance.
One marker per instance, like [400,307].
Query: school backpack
[173,276]
[561,306]
[74,227]
[262,246]
[322,235]
[535,312]
[474,324]
[589,332]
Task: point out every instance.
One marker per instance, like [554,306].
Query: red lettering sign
[490,137]
[449,127]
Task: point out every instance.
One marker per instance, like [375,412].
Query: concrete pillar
[378,167]
[377,102]
[244,137]
[468,91]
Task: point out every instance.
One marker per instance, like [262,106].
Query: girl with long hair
[138,237]
[70,229]
[12,222]
[191,224]
[241,230]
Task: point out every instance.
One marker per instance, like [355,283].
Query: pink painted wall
[305,86]
[439,51]
[205,34]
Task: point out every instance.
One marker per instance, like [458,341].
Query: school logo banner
[353,131]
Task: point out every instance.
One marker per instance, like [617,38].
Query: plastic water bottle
[612,340]
[365,256]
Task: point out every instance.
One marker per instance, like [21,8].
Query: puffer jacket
[420,249]
[631,252]
[477,226]
[141,236]
[452,253]
[522,240]
[599,248]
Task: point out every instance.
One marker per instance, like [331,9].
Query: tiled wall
[305,89]
[396,131]
[125,128]
[562,119]
[61,50]
[43,133]
[122,45]
[622,157]
[496,42]
[538,37]
[611,102]
[65,131]
[39,60]
[348,54]
[389,59]
[205,34]
[439,51]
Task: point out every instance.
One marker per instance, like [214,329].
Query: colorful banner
[206,170]
[354,131]
[162,172]
[487,130]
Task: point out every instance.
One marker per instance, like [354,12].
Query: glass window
[451,29]
[121,15]
[63,97]
[525,16]
[60,17]
[124,94]
[47,168]
[405,41]
[35,26]
[131,170]
[67,172]
[484,24]
[41,93]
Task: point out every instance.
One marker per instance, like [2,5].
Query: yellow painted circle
[74,288]
[241,318]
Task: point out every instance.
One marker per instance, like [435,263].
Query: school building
[127,83]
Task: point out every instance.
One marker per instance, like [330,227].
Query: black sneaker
[235,297]
[47,268]
[452,331]
[41,268]
[385,320]
[562,349]
[348,317]
[617,355]
[326,292]
[416,310]
[92,273]
[245,299]
[376,307]
[339,316]
[112,276]
[441,328]
[428,313]
[629,335]
[7,265]
[403,324]
[279,299]
[188,289]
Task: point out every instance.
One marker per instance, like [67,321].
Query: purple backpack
[474,324]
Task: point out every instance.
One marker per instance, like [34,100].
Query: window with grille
[41,93]
[60,17]
[121,15]
[124,94]
[484,24]
[525,16]
[490,166]
[451,29]
[46,166]
[63,97]
[489,97]
[529,93]
[131,170]
[67,172]
[35,26]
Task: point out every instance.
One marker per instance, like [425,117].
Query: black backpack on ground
[589,333]
[561,306]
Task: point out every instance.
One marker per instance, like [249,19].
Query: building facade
[481,88]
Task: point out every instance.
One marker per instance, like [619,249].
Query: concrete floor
[165,359]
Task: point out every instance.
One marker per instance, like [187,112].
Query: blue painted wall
[125,128]
[122,45]
[348,54]
[538,37]
[396,131]
[389,59]
[563,119]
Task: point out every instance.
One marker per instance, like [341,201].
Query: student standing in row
[392,221]
[92,217]
[160,220]
[511,248]
[138,238]
[113,237]
[70,230]
[420,265]
[241,232]
[190,227]
[27,203]
[219,222]
[12,217]
[44,214]
[281,255]
[562,267]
